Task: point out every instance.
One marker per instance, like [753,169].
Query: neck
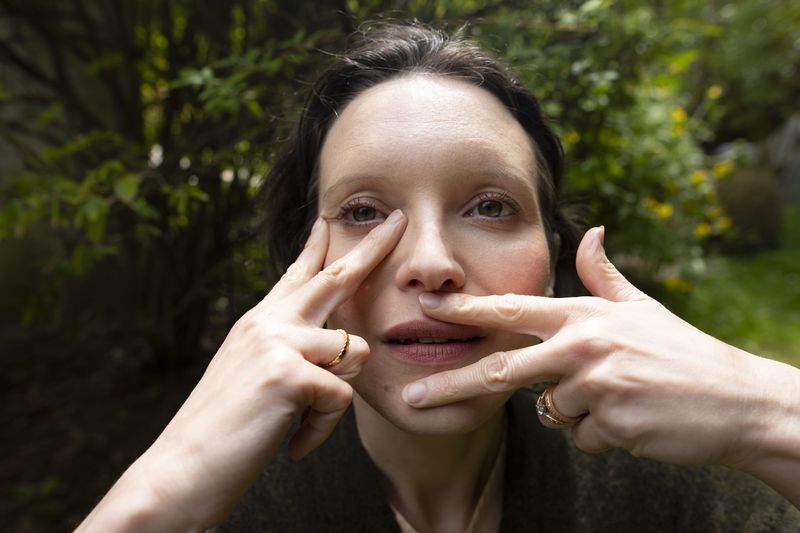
[434,481]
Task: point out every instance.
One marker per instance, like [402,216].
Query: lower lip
[433,353]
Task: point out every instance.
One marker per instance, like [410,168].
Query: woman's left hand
[639,377]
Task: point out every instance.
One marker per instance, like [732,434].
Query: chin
[452,419]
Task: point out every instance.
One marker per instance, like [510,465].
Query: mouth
[432,342]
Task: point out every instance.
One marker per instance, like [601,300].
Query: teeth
[429,340]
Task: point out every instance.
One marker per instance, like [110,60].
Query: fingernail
[394,217]
[601,236]
[414,393]
[430,300]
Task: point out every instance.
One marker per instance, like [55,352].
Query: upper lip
[432,329]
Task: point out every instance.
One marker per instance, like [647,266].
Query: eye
[360,211]
[490,208]
[493,205]
[364,213]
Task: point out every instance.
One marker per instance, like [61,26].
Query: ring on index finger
[546,408]
[338,359]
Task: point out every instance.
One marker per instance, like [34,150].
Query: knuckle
[498,372]
[336,273]
[465,307]
[594,340]
[294,273]
[510,308]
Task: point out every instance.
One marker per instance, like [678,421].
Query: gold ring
[546,408]
[336,360]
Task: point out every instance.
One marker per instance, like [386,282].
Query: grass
[753,302]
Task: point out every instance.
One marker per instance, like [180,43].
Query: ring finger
[557,411]
[323,346]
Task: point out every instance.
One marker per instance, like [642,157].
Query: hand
[641,378]
[265,373]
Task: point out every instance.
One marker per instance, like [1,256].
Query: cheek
[339,244]
[519,266]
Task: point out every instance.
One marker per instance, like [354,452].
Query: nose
[427,258]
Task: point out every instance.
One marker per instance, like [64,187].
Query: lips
[431,341]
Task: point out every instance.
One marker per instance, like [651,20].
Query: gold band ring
[546,408]
[338,359]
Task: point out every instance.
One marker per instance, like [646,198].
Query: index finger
[337,282]
[496,373]
[540,316]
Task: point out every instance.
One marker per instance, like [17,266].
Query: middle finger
[337,282]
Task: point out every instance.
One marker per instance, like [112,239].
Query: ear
[554,253]
[598,274]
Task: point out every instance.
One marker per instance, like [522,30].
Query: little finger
[331,399]
[589,437]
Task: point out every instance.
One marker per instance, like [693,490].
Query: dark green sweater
[549,487]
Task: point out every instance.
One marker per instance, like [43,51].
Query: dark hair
[383,54]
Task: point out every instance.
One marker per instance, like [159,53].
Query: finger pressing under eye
[532,315]
[307,264]
[495,373]
[337,282]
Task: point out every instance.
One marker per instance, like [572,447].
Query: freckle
[387,388]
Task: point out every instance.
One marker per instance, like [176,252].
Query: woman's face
[462,169]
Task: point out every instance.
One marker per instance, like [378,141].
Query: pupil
[363,213]
[490,208]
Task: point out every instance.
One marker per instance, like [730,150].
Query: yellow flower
[698,176]
[678,115]
[663,211]
[702,230]
[571,137]
[723,168]
[724,224]
[714,92]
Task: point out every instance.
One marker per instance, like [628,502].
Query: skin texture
[436,148]
[642,379]
[431,146]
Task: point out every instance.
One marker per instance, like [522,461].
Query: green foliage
[609,76]
[751,301]
[139,154]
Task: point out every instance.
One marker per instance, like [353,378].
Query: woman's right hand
[265,373]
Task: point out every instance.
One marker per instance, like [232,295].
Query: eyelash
[355,203]
[497,197]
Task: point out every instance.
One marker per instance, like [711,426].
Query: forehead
[426,120]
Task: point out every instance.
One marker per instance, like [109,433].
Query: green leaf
[127,187]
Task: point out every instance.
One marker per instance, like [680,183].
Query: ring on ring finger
[547,409]
[338,359]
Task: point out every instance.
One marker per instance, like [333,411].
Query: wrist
[769,443]
[133,506]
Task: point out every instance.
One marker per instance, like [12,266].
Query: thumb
[598,274]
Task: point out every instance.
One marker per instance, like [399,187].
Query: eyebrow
[501,172]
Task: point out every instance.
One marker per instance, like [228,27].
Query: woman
[429,183]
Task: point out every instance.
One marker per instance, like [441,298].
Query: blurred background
[135,135]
